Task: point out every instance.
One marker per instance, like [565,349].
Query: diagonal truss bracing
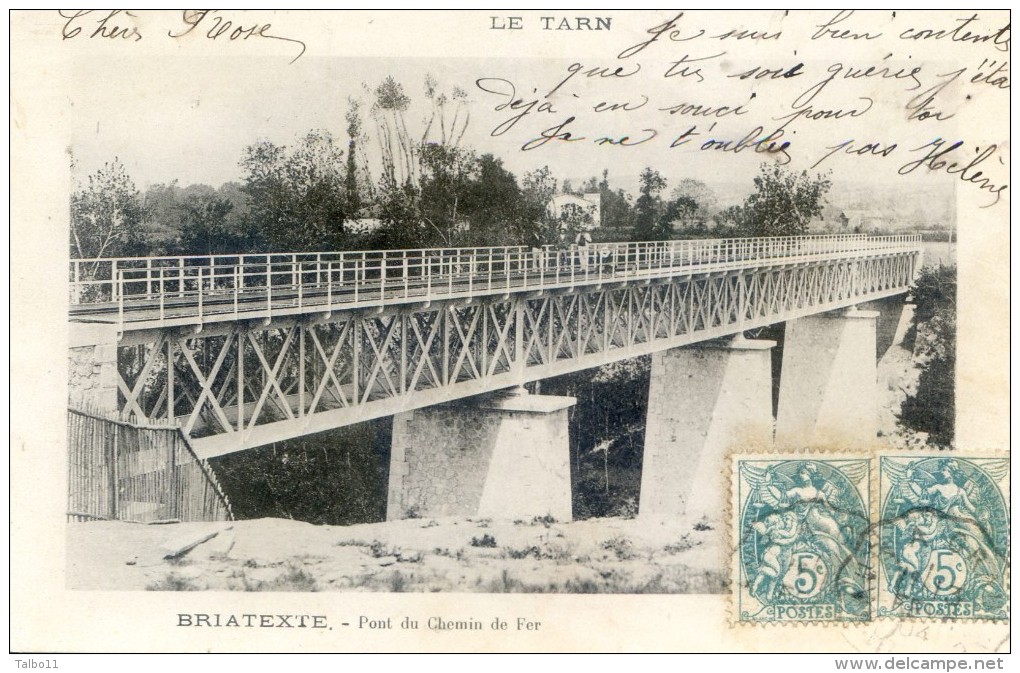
[256,382]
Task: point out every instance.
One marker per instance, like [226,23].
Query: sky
[201,124]
[190,119]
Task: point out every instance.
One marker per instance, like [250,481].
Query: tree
[446,175]
[423,177]
[336,477]
[204,228]
[353,118]
[681,209]
[932,407]
[575,218]
[732,217]
[238,220]
[495,207]
[161,218]
[298,196]
[784,202]
[106,216]
[196,220]
[701,195]
[395,144]
[648,208]
[400,152]
[616,210]
[452,132]
[538,187]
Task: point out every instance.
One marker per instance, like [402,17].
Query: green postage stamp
[943,537]
[803,539]
[825,539]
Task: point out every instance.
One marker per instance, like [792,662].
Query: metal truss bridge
[245,350]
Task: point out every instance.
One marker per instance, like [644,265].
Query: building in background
[576,211]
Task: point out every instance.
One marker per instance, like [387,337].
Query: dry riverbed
[421,555]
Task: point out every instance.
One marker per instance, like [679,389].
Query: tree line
[423,188]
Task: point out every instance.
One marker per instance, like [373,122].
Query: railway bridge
[244,350]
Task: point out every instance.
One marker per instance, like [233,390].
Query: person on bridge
[583,241]
[563,249]
[537,253]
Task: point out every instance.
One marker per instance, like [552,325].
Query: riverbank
[413,555]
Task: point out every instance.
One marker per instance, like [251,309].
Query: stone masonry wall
[446,454]
[92,377]
[465,460]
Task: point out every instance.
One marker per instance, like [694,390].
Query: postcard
[510,331]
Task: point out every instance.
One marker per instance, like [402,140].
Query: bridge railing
[234,284]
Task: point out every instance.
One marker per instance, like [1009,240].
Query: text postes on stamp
[803,536]
[943,537]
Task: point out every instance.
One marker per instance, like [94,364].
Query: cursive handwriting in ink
[674,34]
[849,147]
[935,160]
[625,106]
[920,106]
[809,112]
[675,69]
[998,78]
[627,141]
[105,28]
[700,110]
[601,73]
[655,32]
[753,140]
[687,136]
[826,29]
[883,71]
[999,38]
[748,35]
[220,27]
[761,72]
[552,133]
[506,89]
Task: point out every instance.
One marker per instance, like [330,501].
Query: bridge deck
[471,321]
[142,293]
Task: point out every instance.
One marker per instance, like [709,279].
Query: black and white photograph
[432,331]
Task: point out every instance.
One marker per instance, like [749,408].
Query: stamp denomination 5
[803,540]
[943,537]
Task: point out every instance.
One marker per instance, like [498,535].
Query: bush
[524,553]
[932,408]
[620,546]
[379,550]
[173,582]
[336,477]
[484,541]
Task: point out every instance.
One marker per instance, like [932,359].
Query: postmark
[943,538]
[803,539]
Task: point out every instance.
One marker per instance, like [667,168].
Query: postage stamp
[803,537]
[943,537]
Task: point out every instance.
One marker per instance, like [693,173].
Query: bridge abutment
[92,367]
[703,401]
[501,456]
[827,393]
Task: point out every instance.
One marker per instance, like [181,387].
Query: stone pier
[827,386]
[92,367]
[703,402]
[504,456]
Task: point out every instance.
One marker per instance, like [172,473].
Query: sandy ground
[897,376]
[610,555]
[594,556]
